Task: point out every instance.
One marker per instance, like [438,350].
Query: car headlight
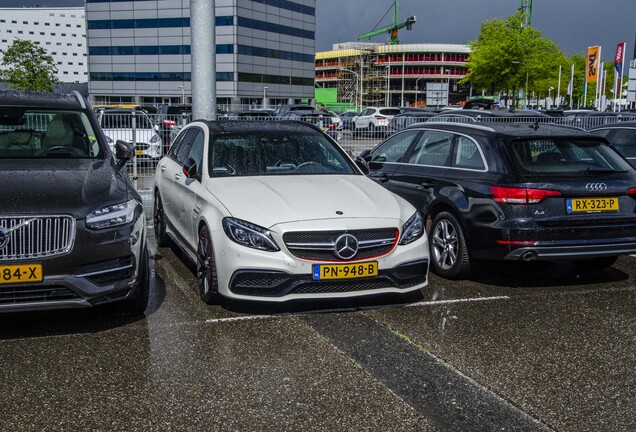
[250,235]
[112,216]
[155,138]
[413,229]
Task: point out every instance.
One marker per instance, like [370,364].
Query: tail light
[632,192]
[508,195]
[380,117]
[169,123]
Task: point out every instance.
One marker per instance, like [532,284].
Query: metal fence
[152,136]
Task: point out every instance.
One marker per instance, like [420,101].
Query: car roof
[43,100]
[509,130]
[618,125]
[256,126]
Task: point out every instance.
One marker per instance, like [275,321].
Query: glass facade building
[139,51]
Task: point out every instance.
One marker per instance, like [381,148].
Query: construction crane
[525,7]
[392,29]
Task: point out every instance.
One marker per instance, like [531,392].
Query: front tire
[159,218]
[206,269]
[449,254]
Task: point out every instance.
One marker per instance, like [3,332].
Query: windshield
[276,153]
[38,133]
[566,157]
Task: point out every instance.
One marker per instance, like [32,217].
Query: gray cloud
[572,24]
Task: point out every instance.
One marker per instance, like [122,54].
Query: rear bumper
[547,251]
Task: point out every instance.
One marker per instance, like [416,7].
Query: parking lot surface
[520,346]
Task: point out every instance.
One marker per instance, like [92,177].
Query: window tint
[467,155]
[565,157]
[390,111]
[394,147]
[433,148]
[196,150]
[184,148]
[625,142]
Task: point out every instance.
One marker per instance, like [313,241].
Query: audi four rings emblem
[596,187]
[346,246]
[4,238]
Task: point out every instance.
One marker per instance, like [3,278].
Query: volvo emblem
[4,238]
[596,187]
[346,246]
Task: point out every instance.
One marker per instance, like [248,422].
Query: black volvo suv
[513,191]
[72,229]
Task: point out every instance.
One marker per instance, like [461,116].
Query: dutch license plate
[20,273]
[345,271]
[139,152]
[592,205]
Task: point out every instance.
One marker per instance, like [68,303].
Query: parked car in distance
[319,118]
[169,116]
[248,115]
[407,119]
[280,111]
[512,191]
[72,228]
[374,120]
[117,124]
[335,119]
[276,211]
[622,136]
[347,118]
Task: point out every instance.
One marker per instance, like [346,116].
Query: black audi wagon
[514,191]
[72,229]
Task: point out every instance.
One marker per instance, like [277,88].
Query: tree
[27,66]
[508,55]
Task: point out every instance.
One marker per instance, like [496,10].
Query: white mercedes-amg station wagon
[277,211]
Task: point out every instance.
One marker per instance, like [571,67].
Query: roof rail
[79,98]
[470,125]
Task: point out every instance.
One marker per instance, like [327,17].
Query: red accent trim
[395,243]
[517,242]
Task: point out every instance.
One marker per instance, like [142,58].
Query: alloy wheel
[444,245]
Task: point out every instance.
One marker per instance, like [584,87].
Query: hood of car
[271,200]
[60,186]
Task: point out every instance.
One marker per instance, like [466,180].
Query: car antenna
[535,125]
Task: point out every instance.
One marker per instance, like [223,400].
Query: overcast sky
[572,24]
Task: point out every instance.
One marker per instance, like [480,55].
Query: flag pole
[599,75]
[559,87]
[571,88]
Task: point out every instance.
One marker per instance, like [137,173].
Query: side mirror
[123,152]
[363,165]
[191,170]
[366,155]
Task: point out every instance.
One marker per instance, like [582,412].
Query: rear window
[565,157]
[390,111]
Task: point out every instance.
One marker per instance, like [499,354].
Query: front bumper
[102,267]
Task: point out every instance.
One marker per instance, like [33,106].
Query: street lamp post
[447,71]
[388,70]
[265,96]
[550,97]
[357,78]
[417,89]
[182,94]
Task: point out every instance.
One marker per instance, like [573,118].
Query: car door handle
[163,168]
[383,178]
[426,184]
[177,176]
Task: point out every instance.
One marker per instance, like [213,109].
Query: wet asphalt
[519,347]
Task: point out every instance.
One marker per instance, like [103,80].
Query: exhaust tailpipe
[529,256]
